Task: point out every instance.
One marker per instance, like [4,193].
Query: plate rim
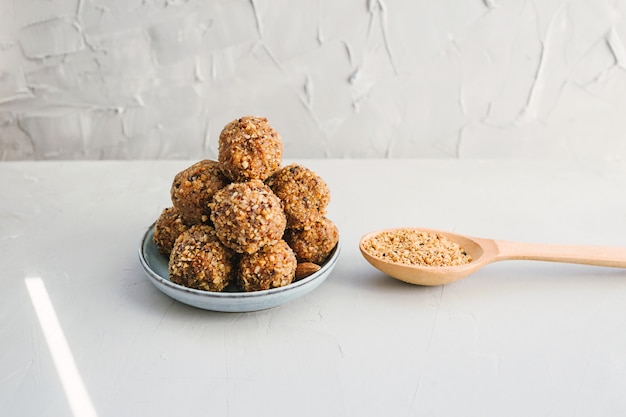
[240,295]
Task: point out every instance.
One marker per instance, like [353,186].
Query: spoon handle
[578,254]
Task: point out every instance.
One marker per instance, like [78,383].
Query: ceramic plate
[231,300]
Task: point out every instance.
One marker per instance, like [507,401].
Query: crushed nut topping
[414,247]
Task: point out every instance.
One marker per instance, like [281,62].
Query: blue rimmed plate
[155,266]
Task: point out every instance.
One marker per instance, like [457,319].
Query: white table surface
[518,338]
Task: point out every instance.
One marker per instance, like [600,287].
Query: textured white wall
[88,79]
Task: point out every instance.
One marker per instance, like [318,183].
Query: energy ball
[249,148]
[247,216]
[193,189]
[304,194]
[314,242]
[272,266]
[167,228]
[199,260]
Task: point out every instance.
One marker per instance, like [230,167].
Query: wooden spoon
[485,251]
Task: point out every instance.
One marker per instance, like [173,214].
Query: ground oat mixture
[249,148]
[303,192]
[414,247]
[272,266]
[193,188]
[199,260]
[227,224]
[247,216]
[314,242]
[168,226]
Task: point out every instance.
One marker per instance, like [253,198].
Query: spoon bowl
[485,251]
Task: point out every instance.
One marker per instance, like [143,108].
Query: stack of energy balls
[245,219]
